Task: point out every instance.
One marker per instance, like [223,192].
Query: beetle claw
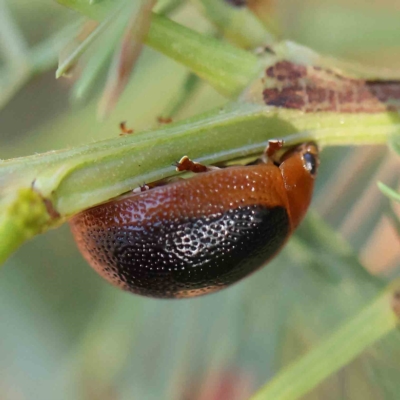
[186,164]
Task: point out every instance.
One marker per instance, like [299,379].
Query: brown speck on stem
[164,120]
[124,129]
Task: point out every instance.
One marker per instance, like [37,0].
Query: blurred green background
[67,334]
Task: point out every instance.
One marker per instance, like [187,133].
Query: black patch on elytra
[176,257]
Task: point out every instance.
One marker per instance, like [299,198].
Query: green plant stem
[371,324]
[225,67]
[79,178]
[75,179]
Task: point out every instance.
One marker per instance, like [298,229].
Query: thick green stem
[82,177]
[349,341]
[76,179]
[225,67]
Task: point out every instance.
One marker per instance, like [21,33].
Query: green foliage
[24,217]
[315,297]
[375,321]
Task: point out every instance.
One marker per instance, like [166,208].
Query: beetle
[194,236]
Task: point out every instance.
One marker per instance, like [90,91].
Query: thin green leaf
[97,10]
[324,285]
[389,192]
[71,59]
[94,66]
[126,55]
[371,324]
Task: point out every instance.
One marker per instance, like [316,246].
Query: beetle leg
[270,152]
[186,164]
